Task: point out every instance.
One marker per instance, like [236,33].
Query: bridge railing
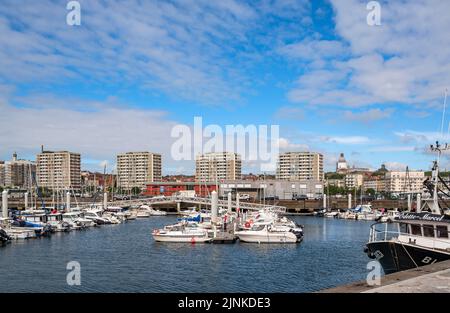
[198,200]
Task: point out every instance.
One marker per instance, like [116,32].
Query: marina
[330,255]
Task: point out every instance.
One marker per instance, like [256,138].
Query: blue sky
[134,69]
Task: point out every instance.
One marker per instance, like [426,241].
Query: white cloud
[368,116]
[395,166]
[310,49]
[423,137]
[97,135]
[406,60]
[198,50]
[346,140]
[286,145]
[290,113]
[392,149]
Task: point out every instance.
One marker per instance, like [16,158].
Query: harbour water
[125,258]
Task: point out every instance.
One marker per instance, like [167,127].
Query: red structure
[172,188]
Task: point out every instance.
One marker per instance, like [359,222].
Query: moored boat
[413,240]
[182,232]
[269,233]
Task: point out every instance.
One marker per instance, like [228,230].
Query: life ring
[247,225]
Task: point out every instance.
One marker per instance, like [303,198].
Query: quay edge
[434,278]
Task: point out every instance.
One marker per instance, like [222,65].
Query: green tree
[136,190]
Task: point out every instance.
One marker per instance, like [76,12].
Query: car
[272,198]
[245,197]
[299,197]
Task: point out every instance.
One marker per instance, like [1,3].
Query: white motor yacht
[269,233]
[182,232]
[17,233]
[76,220]
[332,214]
[96,216]
[157,213]
[57,223]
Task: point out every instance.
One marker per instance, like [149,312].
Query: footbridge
[197,201]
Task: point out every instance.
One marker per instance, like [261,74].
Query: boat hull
[395,256]
[181,239]
[272,238]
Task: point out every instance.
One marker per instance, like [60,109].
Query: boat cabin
[424,229]
[54,217]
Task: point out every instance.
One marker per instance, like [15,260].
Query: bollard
[68,201]
[105,201]
[214,206]
[419,203]
[26,200]
[5,203]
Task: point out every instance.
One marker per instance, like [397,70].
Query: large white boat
[270,233]
[17,233]
[147,211]
[157,213]
[76,220]
[96,216]
[182,232]
[332,214]
[57,223]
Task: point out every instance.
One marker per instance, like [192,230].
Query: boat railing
[382,235]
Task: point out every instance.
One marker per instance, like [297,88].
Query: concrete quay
[434,278]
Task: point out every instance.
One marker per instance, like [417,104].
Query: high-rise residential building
[341,165]
[217,166]
[58,170]
[300,166]
[137,169]
[404,181]
[18,173]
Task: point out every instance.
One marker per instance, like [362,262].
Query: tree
[333,175]
[136,190]
[370,191]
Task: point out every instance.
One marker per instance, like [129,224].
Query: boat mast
[435,174]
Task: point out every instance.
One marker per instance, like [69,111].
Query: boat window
[258,227]
[442,231]
[428,230]
[416,230]
[403,228]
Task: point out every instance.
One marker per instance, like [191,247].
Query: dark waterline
[124,258]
